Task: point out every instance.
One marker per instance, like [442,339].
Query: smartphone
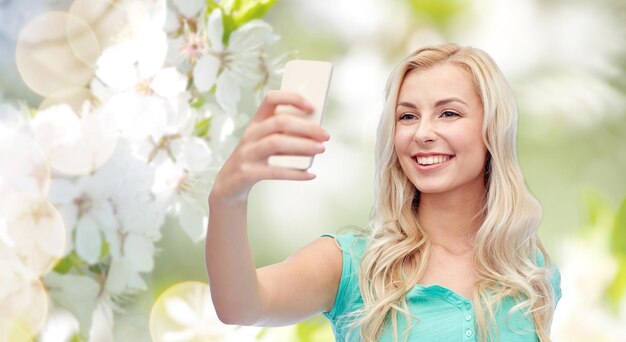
[310,79]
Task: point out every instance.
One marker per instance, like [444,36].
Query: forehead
[439,81]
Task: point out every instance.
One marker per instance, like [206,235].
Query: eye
[407,116]
[449,114]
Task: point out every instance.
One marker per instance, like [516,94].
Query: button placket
[469,321]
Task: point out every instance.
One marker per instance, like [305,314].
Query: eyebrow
[437,104]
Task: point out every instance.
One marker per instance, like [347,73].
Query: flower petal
[228,93]
[215,29]
[76,293]
[189,8]
[139,253]
[195,155]
[250,37]
[205,72]
[135,281]
[245,68]
[152,53]
[192,221]
[117,277]
[137,116]
[115,67]
[88,240]
[169,82]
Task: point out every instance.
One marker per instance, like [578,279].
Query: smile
[432,160]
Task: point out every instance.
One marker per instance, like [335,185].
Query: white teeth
[432,160]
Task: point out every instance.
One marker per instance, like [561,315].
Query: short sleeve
[349,275]
[555,280]
[555,277]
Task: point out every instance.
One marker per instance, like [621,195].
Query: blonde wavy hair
[506,243]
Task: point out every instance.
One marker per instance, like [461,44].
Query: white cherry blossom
[79,294]
[94,186]
[75,145]
[119,210]
[232,66]
[139,83]
[184,185]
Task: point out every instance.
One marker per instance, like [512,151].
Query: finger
[280,144]
[277,97]
[260,172]
[286,124]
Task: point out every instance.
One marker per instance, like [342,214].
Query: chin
[431,190]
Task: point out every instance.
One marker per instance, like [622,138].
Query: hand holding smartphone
[310,79]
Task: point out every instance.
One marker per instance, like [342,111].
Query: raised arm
[304,284]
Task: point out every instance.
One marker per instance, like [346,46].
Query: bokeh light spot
[46,54]
[23,305]
[24,169]
[75,97]
[185,312]
[108,19]
[75,145]
[37,233]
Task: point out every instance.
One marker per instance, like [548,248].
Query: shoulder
[352,246]
[350,243]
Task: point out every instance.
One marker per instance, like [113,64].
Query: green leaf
[197,102]
[253,10]
[77,338]
[262,333]
[618,236]
[70,261]
[211,5]
[230,6]
[202,127]
[104,251]
[599,212]
[441,12]
[229,26]
[617,288]
[314,329]
[63,266]
[236,13]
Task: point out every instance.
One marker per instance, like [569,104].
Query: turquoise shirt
[443,314]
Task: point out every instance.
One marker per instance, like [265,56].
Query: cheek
[466,138]
[403,135]
[470,145]
[399,140]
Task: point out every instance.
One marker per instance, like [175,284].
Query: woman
[453,252]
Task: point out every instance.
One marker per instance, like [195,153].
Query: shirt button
[468,332]
[468,306]
[468,317]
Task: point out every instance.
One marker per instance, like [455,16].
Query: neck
[451,220]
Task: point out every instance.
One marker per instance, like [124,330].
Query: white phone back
[311,79]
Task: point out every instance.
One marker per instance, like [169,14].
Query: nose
[425,132]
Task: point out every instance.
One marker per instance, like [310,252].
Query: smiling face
[438,136]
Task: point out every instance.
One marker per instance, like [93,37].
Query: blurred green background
[566,63]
